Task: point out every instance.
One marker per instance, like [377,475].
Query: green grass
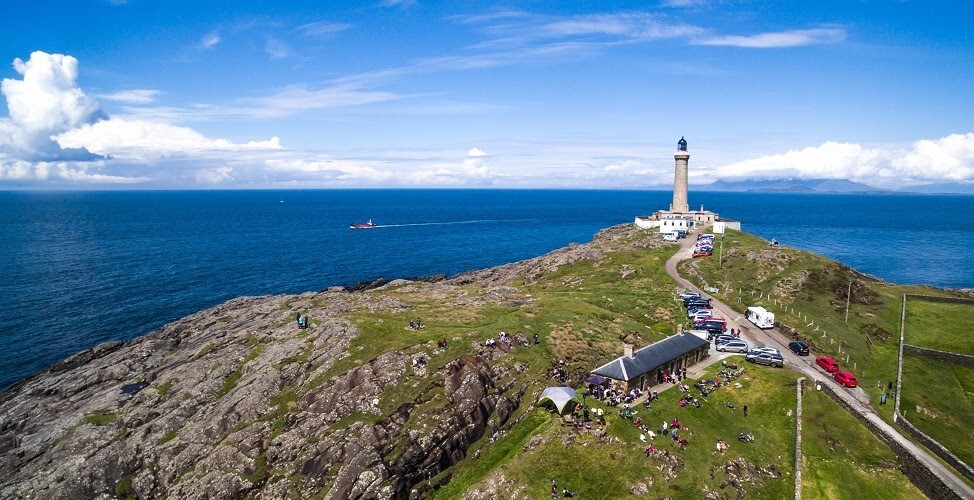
[229,383]
[259,474]
[100,418]
[164,388]
[169,436]
[942,326]
[842,459]
[123,488]
[945,392]
[607,468]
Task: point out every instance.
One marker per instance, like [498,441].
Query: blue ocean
[81,268]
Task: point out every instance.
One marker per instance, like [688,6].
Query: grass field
[938,398]
[844,460]
[607,466]
[942,326]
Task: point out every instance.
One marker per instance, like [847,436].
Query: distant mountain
[791,186]
[940,188]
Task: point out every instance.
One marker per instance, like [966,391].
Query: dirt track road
[856,398]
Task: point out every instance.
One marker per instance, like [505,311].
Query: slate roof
[650,357]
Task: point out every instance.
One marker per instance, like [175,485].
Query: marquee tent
[559,396]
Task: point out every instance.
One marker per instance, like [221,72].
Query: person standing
[745,411]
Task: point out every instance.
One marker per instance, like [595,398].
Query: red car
[845,378]
[827,364]
[701,254]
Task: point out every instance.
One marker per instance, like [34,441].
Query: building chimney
[627,350]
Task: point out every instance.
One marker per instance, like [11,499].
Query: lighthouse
[679,219]
[682,158]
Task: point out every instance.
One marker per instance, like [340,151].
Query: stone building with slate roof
[642,368]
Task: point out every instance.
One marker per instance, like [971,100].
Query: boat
[363,225]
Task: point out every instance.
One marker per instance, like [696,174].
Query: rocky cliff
[237,401]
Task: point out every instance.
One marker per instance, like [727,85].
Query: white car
[767,349]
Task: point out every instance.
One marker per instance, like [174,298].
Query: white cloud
[116,135]
[831,160]
[950,158]
[46,101]
[343,171]
[73,172]
[54,131]
[791,38]
[397,3]
[277,49]
[322,29]
[133,96]
[209,41]
[218,175]
[473,170]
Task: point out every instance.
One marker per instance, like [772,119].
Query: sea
[81,268]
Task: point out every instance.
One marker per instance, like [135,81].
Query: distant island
[820,186]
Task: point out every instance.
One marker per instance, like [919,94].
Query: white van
[669,236]
[761,317]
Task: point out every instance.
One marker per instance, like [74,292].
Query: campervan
[761,317]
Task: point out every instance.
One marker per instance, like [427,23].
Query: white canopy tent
[559,396]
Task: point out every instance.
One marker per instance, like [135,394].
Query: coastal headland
[394,392]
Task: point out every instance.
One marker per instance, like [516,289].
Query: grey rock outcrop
[237,401]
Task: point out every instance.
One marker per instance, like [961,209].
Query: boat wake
[478,221]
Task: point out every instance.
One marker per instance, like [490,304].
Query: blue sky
[205,95]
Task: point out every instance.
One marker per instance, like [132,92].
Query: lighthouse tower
[679,219]
[682,158]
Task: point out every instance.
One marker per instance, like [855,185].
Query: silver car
[765,358]
[767,349]
[733,346]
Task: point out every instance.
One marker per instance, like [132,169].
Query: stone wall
[946,356]
[798,439]
[928,481]
[936,447]
[947,300]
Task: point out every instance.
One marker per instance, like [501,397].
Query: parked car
[767,349]
[845,378]
[733,346]
[799,348]
[713,330]
[765,358]
[720,339]
[827,364]
[698,302]
[701,254]
[711,325]
[669,237]
[686,294]
[699,314]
